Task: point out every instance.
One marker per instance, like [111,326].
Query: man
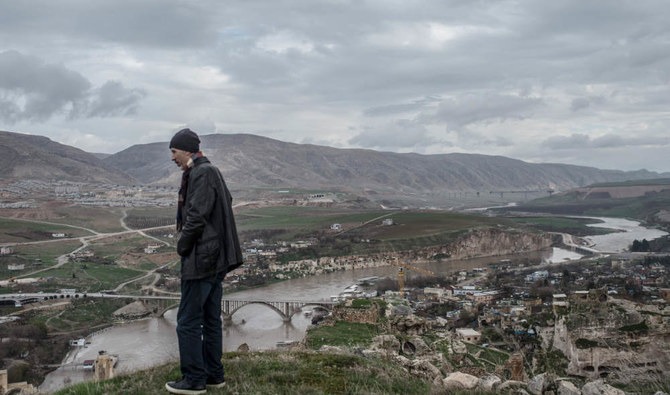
[209,248]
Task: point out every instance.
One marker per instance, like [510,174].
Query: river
[151,342]
[627,231]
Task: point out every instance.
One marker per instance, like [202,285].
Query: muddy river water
[153,341]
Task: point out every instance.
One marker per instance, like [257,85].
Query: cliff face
[477,243]
[617,339]
[495,241]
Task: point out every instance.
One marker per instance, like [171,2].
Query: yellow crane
[401,275]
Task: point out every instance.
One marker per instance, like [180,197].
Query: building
[14,388]
[434,293]
[151,248]
[466,289]
[469,335]
[590,296]
[560,300]
[538,275]
[300,244]
[484,296]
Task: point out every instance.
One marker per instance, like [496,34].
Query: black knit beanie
[186,140]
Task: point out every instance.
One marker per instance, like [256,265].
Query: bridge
[284,308]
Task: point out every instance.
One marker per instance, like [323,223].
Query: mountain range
[249,161]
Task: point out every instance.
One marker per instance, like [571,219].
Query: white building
[151,249]
[469,335]
[538,275]
[560,300]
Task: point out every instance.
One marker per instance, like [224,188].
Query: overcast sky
[570,81]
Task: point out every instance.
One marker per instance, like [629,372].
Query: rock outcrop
[431,365]
[494,242]
[134,310]
[612,338]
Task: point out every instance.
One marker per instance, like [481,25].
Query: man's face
[180,158]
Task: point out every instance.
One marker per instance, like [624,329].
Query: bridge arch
[228,315]
[165,307]
[285,309]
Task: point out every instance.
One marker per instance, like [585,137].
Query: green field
[100,219]
[88,277]
[21,231]
[342,334]
[309,220]
[293,217]
[574,226]
[35,257]
[149,217]
[114,246]
[363,232]
[84,313]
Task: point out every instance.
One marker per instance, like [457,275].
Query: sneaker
[215,383]
[184,387]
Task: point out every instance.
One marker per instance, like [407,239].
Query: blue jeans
[199,329]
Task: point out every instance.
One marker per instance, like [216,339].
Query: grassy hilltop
[277,372]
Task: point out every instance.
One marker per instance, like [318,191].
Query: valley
[123,245]
[67,234]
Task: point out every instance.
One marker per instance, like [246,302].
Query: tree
[640,246]
[635,247]
[645,245]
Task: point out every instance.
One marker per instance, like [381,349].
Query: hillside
[253,161]
[35,157]
[646,200]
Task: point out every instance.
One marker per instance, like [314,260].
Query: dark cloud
[160,23]
[113,99]
[33,90]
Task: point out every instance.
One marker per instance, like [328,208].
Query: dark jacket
[208,242]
